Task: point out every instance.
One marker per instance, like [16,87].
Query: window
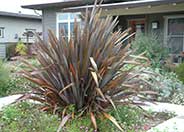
[29,32]
[175,34]
[66,21]
[1,32]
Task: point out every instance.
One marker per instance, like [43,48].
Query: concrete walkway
[164,107]
[175,124]
[8,100]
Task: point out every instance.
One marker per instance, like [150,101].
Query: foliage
[85,71]
[17,66]
[130,117]
[10,50]
[16,85]
[24,117]
[4,77]
[21,48]
[154,47]
[180,72]
[178,98]
[165,83]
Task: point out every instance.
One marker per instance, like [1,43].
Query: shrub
[21,48]
[180,72]
[11,83]
[165,83]
[154,47]
[16,85]
[4,78]
[84,71]
[178,98]
[10,50]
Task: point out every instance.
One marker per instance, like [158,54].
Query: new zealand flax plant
[85,71]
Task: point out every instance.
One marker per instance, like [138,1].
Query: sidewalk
[8,100]
[175,124]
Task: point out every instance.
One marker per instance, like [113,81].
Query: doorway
[137,25]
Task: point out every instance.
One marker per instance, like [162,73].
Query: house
[160,16]
[14,27]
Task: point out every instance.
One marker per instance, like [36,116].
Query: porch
[163,17]
[168,26]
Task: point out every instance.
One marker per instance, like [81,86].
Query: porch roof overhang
[54,4]
[134,7]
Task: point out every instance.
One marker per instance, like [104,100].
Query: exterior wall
[14,29]
[13,26]
[2,51]
[158,17]
[153,13]
[49,21]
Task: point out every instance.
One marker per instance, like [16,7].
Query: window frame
[166,30]
[2,32]
[68,21]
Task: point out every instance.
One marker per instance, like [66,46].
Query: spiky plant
[85,71]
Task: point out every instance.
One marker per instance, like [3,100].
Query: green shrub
[16,85]
[153,46]
[180,72]
[178,98]
[158,80]
[21,48]
[4,78]
[10,50]
[11,83]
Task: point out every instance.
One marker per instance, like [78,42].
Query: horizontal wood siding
[2,51]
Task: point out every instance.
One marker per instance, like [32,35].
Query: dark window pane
[175,44]
[176,26]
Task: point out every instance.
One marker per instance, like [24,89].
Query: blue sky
[15,5]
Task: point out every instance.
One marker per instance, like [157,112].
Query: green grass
[25,117]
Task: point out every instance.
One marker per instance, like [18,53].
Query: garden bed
[26,117]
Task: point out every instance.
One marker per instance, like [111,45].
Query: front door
[137,25]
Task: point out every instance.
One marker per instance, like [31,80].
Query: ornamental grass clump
[85,71]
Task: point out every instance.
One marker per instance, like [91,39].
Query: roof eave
[53,5]
[131,4]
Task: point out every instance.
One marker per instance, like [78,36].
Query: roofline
[19,15]
[130,4]
[63,4]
